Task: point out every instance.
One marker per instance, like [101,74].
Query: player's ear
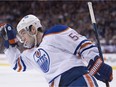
[32,29]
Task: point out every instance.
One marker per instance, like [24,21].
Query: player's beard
[30,43]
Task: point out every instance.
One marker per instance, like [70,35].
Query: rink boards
[108,58]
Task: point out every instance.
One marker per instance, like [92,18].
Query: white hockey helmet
[27,21]
[24,24]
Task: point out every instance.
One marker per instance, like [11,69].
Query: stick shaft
[95,28]
[98,42]
[96,33]
[91,12]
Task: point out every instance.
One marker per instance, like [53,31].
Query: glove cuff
[13,41]
[96,65]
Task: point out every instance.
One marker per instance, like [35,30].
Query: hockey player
[58,53]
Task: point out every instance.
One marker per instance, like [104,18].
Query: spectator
[71,13]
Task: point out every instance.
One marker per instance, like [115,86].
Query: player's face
[26,38]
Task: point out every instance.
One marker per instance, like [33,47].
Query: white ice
[10,78]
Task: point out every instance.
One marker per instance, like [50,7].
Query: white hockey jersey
[61,49]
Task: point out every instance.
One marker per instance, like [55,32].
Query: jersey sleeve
[83,47]
[19,62]
[87,50]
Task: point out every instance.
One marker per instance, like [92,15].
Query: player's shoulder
[28,51]
[56,29]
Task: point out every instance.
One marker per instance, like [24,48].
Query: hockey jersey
[61,49]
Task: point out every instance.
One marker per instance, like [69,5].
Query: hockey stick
[96,33]
[3,33]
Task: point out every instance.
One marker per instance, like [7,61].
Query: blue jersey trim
[23,64]
[71,71]
[54,78]
[15,67]
[87,48]
[56,29]
[79,46]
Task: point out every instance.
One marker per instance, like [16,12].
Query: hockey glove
[8,34]
[100,70]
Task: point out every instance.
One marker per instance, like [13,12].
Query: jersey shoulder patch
[56,29]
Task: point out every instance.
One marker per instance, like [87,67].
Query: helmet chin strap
[35,37]
[35,40]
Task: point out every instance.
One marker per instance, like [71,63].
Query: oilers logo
[42,59]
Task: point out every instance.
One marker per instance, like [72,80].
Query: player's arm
[77,44]
[17,60]
[96,66]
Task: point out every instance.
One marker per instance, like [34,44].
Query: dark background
[71,13]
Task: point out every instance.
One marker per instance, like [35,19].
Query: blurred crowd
[72,13]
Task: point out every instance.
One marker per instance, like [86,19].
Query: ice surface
[10,78]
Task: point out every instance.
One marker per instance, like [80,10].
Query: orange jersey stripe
[89,80]
[52,85]
[20,67]
[84,45]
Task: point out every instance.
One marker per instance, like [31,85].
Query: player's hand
[104,73]
[100,70]
[8,34]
